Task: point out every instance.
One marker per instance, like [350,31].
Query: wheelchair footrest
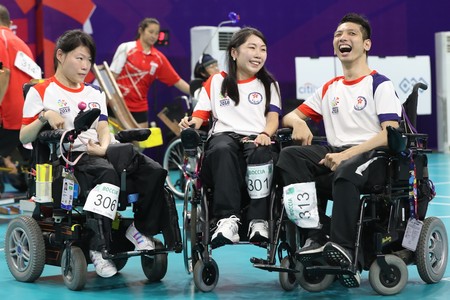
[274,268]
[329,270]
[128,254]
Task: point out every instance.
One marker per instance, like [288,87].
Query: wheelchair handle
[419,85]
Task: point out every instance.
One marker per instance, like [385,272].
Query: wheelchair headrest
[194,85]
[84,119]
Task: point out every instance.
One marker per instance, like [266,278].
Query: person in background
[356,110]
[245,105]
[205,67]
[137,64]
[12,78]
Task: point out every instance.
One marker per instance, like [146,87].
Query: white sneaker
[141,241]
[104,267]
[258,231]
[227,232]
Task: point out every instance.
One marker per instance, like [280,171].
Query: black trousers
[301,164]
[224,168]
[144,176]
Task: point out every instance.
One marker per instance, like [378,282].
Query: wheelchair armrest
[396,140]
[51,136]
[190,139]
[133,135]
[284,137]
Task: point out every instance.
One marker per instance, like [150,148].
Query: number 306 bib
[103,200]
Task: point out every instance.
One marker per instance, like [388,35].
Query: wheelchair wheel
[24,249]
[75,273]
[155,267]
[189,227]
[432,250]
[288,281]
[173,163]
[206,275]
[312,282]
[120,263]
[389,283]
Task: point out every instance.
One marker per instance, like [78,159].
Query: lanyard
[412,187]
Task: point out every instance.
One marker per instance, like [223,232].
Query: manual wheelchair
[198,225]
[60,237]
[386,208]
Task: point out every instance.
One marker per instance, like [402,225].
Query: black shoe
[336,255]
[311,247]
[310,251]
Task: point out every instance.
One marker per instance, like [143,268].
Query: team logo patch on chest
[64,108]
[255,98]
[360,104]
[334,105]
[92,105]
[224,102]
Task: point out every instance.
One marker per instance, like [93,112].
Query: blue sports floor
[237,280]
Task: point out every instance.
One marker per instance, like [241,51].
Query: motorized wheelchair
[60,237]
[198,225]
[385,211]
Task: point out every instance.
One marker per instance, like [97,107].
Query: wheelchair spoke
[15,237]
[435,249]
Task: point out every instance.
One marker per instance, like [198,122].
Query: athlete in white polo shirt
[356,109]
[245,102]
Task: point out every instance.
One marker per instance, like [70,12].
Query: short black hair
[360,20]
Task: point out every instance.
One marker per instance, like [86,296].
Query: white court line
[441,183]
[440,203]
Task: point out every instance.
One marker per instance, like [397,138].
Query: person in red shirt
[11,81]
[137,64]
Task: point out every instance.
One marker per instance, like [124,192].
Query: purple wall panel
[293,28]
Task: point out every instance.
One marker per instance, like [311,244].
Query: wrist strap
[265,133]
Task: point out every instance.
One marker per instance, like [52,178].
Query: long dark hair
[229,84]
[70,40]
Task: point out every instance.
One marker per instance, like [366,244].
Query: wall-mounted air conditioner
[212,40]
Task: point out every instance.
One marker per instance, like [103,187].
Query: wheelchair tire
[120,263]
[155,267]
[206,275]
[76,276]
[432,250]
[189,227]
[313,282]
[24,249]
[389,283]
[288,281]
[173,162]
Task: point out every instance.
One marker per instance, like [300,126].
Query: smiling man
[356,109]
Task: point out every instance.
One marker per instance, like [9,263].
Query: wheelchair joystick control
[82,106]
